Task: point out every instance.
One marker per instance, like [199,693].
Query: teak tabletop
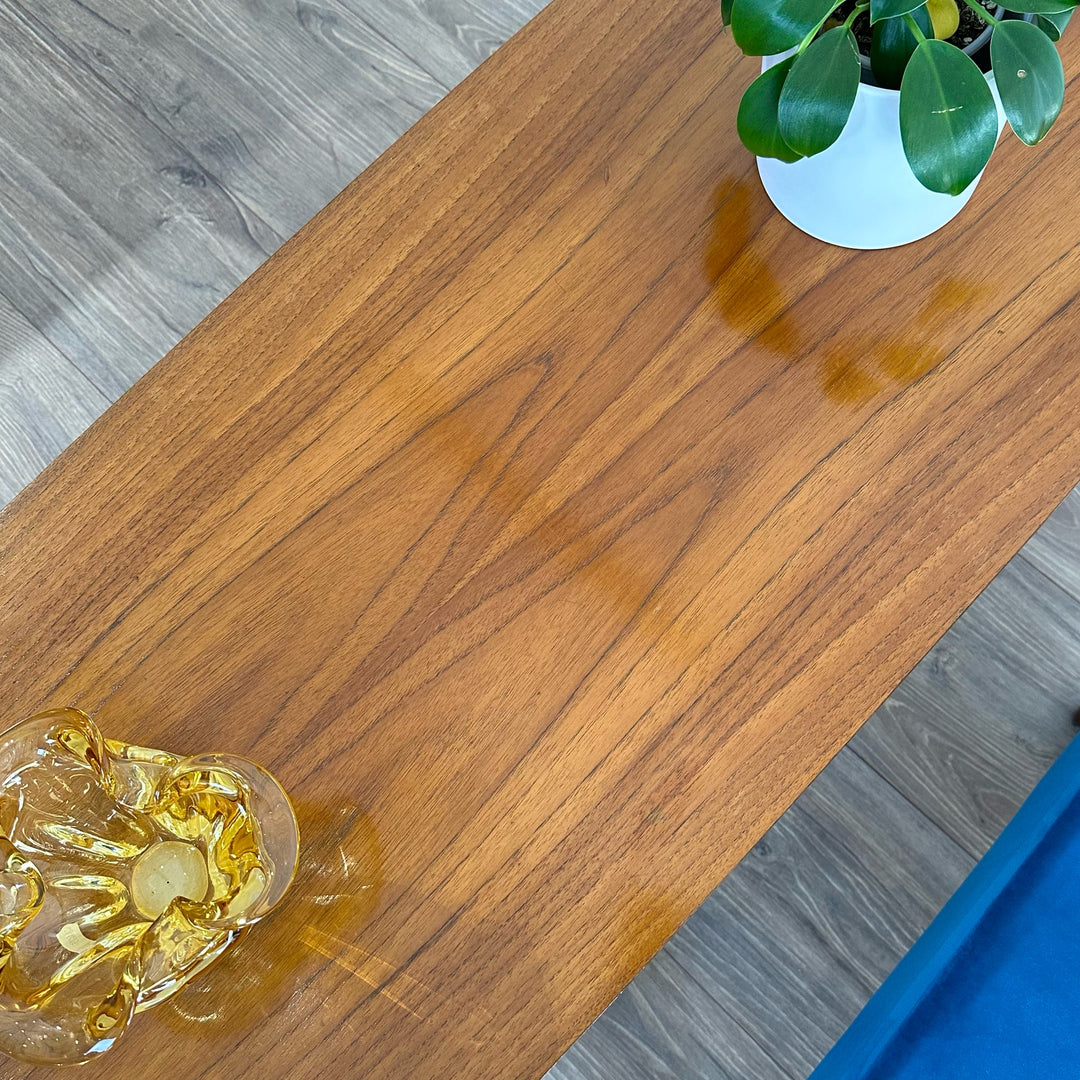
[545,514]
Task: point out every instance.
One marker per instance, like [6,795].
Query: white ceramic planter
[861,192]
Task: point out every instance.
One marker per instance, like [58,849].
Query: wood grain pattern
[974,727]
[146,145]
[665,1023]
[788,947]
[546,513]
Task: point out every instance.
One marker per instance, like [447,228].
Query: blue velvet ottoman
[991,991]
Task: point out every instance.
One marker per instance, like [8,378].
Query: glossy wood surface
[545,514]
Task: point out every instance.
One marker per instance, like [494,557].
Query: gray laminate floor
[154,152]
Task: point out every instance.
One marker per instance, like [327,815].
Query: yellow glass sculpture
[124,872]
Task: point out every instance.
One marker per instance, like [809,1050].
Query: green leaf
[725,12]
[893,9]
[758,124]
[891,46]
[1053,24]
[817,96]
[1030,78]
[948,120]
[1040,7]
[765,27]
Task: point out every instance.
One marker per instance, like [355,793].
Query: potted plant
[872,120]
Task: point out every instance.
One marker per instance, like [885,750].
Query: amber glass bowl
[124,872]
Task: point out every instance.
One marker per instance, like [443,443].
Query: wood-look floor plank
[282,103]
[447,38]
[663,1026]
[1055,548]
[113,240]
[971,730]
[45,401]
[798,936]
[133,136]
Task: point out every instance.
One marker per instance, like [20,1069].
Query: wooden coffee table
[545,514]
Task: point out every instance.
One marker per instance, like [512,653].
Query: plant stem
[914,27]
[982,13]
[859,9]
[817,29]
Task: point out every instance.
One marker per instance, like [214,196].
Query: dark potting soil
[971,26]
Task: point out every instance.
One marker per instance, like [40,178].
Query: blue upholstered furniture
[991,991]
